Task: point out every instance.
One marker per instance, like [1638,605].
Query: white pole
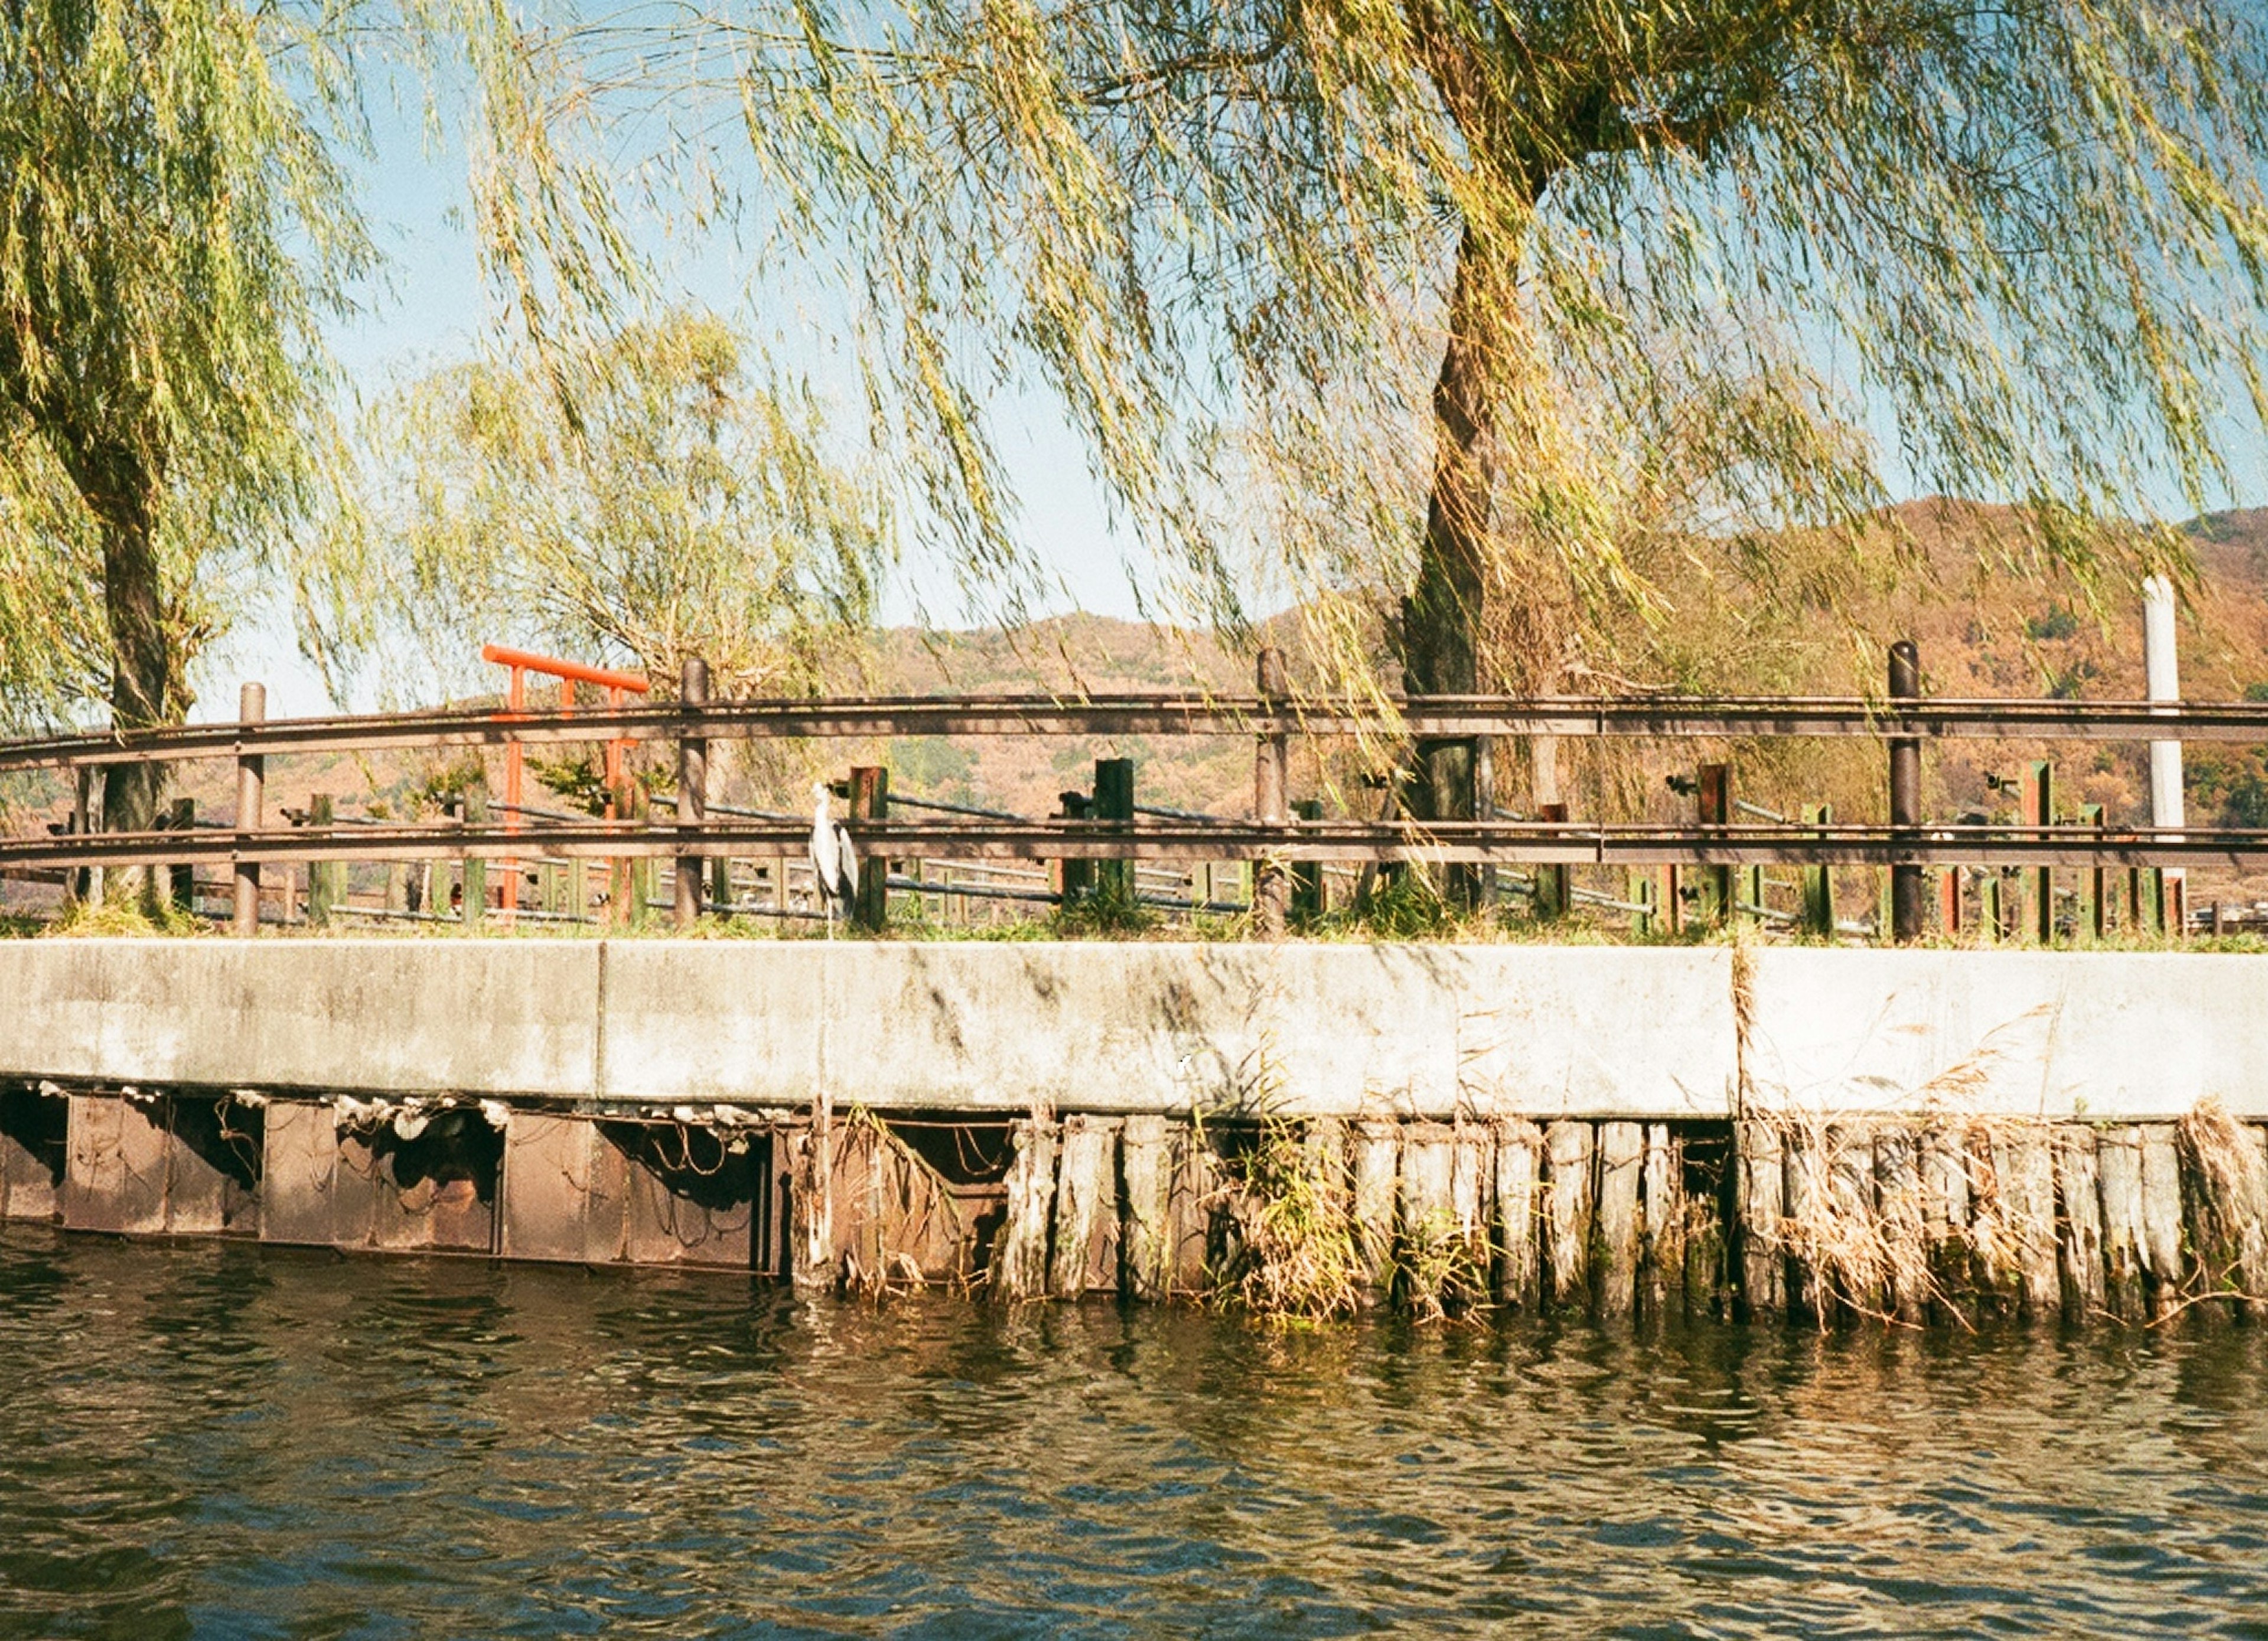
[2165,680]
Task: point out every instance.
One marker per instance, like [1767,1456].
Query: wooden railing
[1272,839]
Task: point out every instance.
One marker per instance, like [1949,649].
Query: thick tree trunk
[1441,616]
[120,491]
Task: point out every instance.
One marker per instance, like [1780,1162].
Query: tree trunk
[1440,617]
[120,490]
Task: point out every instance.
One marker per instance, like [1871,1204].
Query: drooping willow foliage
[637,501]
[174,226]
[1495,318]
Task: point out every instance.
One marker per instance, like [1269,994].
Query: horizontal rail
[1432,716]
[1485,842]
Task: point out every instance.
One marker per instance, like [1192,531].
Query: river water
[215,1439]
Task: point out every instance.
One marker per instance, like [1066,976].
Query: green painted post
[326,879]
[1819,881]
[476,870]
[1114,801]
[1308,903]
[1638,888]
[1752,893]
[181,880]
[2095,884]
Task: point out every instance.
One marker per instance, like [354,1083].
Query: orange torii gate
[570,673]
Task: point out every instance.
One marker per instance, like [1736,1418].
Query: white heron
[834,863]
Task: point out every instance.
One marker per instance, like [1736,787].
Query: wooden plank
[1518,1270]
[1146,1165]
[1429,1240]
[2079,1223]
[1086,1208]
[1898,1207]
[1019,1261]
[1375,1169]
[1567,1188]
[2119,1174]
[1759,1195]
[1621,1162]
[2165,1266]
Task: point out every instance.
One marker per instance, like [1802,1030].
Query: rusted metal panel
[115,1178]
[691,1199]
[299,1187]
[565,1191]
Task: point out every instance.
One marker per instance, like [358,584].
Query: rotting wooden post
[1567,1148]
[2163,1268]
[251,708]
[1662,1198]
[2037,810]
[1713,796]
[1145,1172]
[476,814]
[1192,1205]
[1673,898]
[2095,912]
[2118,1175]
[1019,1258]
[1850,1187]
[692,787]
[182,879]
[1429,1225]
[326,879]
[870,800]
[2025,1170]
[1086,1206]
[1517,1147]
[1622,1162]
[1373,1168]
[1819,881]
[1308,902]
[1270,775]
[1759,1190]
[2078,1222]
[1945,1210]
[1114,801]
[1472,1200]
[1906,892]
[1903,1221]
[1803,1166]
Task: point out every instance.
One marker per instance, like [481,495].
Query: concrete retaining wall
[1415,1031]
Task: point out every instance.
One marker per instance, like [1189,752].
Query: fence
[1281,857]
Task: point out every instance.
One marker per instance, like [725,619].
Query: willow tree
[1464,313]
[172,225]
[639,498]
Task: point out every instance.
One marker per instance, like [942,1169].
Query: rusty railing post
[692,788]
[1908,898]
[251,778]
[1271,884]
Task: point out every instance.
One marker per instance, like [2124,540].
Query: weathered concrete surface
[416,1016]
[2049,1035]
[1420,1031]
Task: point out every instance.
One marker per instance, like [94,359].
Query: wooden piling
[1429,1243]
[1621,1164]
[2079,1223]
[1945,1211]
[1145,1174]
[1760,1188]
[2024,1170]
[1804,1167]
[1193,1205]
[1567,1148]
[1661,1255]
[1085,1252]
[1019,1258]
[2118,1180]
[1375,1166]
[1517,1147]
[2224,1194]
[1899,1210]
[1856,1280]
[2164,1266]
